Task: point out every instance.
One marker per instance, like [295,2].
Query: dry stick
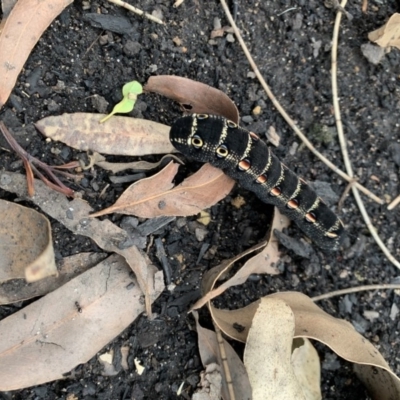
[355,290]
[343,144]
[394,203]
[287,118]
[136,11]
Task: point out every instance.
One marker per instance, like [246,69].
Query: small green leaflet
[130,91]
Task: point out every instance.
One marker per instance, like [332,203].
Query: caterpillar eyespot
[197,142]
[222,151]
[251,162]
[244,165]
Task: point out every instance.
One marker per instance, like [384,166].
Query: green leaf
[130,91]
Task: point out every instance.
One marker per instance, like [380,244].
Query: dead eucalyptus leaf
[80,318]
[23,27]
[26,248]
[389,34]
[261,263]
[68,268]
[136,166]
[194,97]
[307,368]
[120,135]
[209,353]
[268,351]
[313,323]
[73,214]
[156,196]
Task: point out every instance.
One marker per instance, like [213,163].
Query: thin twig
[30,162]
[341,292]
[136,11]
[394,203]
[343,143]
[284,114]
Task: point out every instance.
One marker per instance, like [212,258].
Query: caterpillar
[247,159]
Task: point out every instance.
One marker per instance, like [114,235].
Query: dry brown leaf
[69,326]
[68,268]
[313,323]
[261,263]
[25,24]
[156,196]
[119,135]
[26,248]
[73,214]
[195,97]
[209,353]
[268,351]
[389,34]
[135,166]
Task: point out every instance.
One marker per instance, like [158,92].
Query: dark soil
[290,40]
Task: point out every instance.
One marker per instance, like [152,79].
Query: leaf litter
[23,27]
[80,318]
[120,135]
[74,216]
[157,196]
[26,247]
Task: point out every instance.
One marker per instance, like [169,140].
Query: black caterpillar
[244,157]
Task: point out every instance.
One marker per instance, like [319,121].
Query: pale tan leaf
[314,323]
[26,248]
[209,353]
[119,135]
[68,268]
[267,355]
[307,368]
[74,214]
[156,196]
[261,263]
[69,326]
[389,34]
[25,24]
[195,97]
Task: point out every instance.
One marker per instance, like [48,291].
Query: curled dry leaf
[80,318]
[389,34]
[68,268]
[120,135]
[261,263]
[156,196]
[136,166]
[74,216]
[268,351]
[26,248]
[313,323]
[195,97]
[25,24]
[209,353]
